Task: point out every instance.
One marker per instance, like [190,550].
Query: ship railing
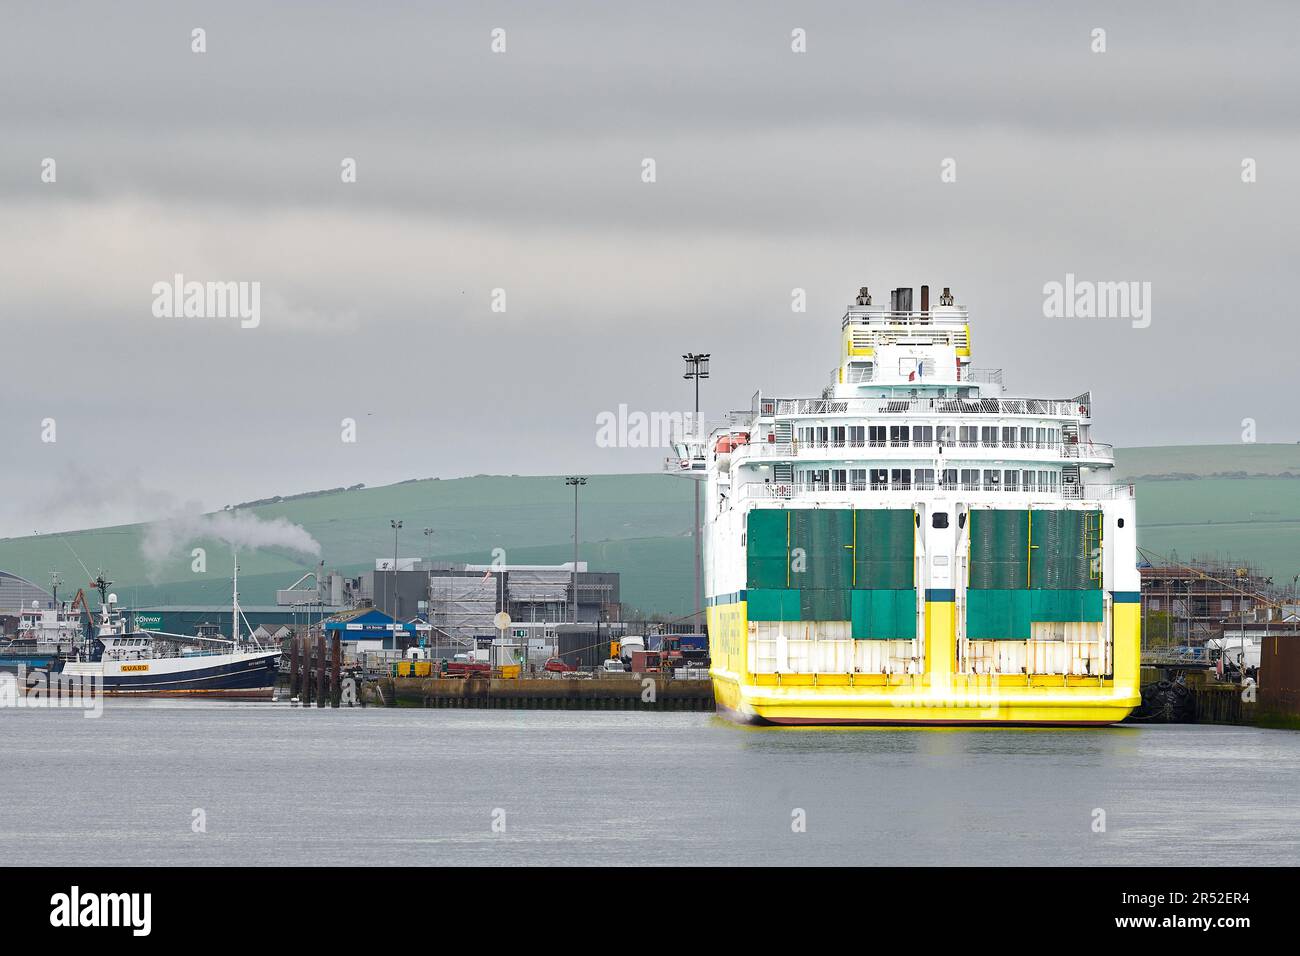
[674,465]
[1176,655]
[989,376]
[1074,491]
[1088,449]
[1096,451]
[1050,407]
[866,315]
[768,449]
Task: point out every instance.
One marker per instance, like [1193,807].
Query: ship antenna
[75,555]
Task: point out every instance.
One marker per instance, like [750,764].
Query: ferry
[127,661]
[913,545]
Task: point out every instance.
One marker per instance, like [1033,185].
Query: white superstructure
[908,426]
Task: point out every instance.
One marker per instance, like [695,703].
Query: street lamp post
[397,526]
[428,587]
[698,368]
[577,482]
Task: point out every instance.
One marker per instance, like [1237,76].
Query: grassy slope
[639,524]
[635,523]
[1208,460]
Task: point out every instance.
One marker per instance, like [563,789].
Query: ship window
[1011,480]
[969,436]
[1028,478]
[901,479]
[857,436]
[946,435]
[879,479]
[989,436]
[1026,438]
[1120,522]
[939,519]
[823,435]
[876,435]
[925,478]
[970,479]
[1008,438]
[950,478]
[858,478]
[992,479]
[898,436]
[1042,438]
[839,478]
[922,434]
[837,436]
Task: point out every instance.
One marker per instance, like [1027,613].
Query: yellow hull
[936,697]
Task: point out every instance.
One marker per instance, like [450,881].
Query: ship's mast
[234,606]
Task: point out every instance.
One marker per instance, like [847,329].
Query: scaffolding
[1184,604]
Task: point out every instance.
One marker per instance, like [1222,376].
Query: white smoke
[238,529]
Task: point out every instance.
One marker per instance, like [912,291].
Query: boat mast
[234,606]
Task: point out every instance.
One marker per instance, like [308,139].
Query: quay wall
[626,693]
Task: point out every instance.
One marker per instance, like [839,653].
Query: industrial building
[1189,603]
[453,607]
[464,598]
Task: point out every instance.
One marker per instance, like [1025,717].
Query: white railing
[887,318]
[1084,451]
[1038,407]
[677,466]
[787,490]
[989,376]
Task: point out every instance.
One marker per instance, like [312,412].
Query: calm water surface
[279,784]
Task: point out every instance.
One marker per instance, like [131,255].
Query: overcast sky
[522,170]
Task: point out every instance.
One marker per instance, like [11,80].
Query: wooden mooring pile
[314,670]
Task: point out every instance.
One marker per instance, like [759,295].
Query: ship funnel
[946,298]
[925,298]
[900,300]
[864,297]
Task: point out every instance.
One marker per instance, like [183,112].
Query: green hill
[1172,462]
[640,525]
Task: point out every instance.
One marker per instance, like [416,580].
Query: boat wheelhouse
[913,545]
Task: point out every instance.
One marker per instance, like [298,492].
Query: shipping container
[579,646]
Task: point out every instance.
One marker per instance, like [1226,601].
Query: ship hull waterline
[245,679]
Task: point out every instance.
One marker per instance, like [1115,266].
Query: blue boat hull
[242,679]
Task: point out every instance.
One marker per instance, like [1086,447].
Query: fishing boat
[126,660]
[913,545]
[48,632]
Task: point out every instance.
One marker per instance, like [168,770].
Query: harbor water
[203,783]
